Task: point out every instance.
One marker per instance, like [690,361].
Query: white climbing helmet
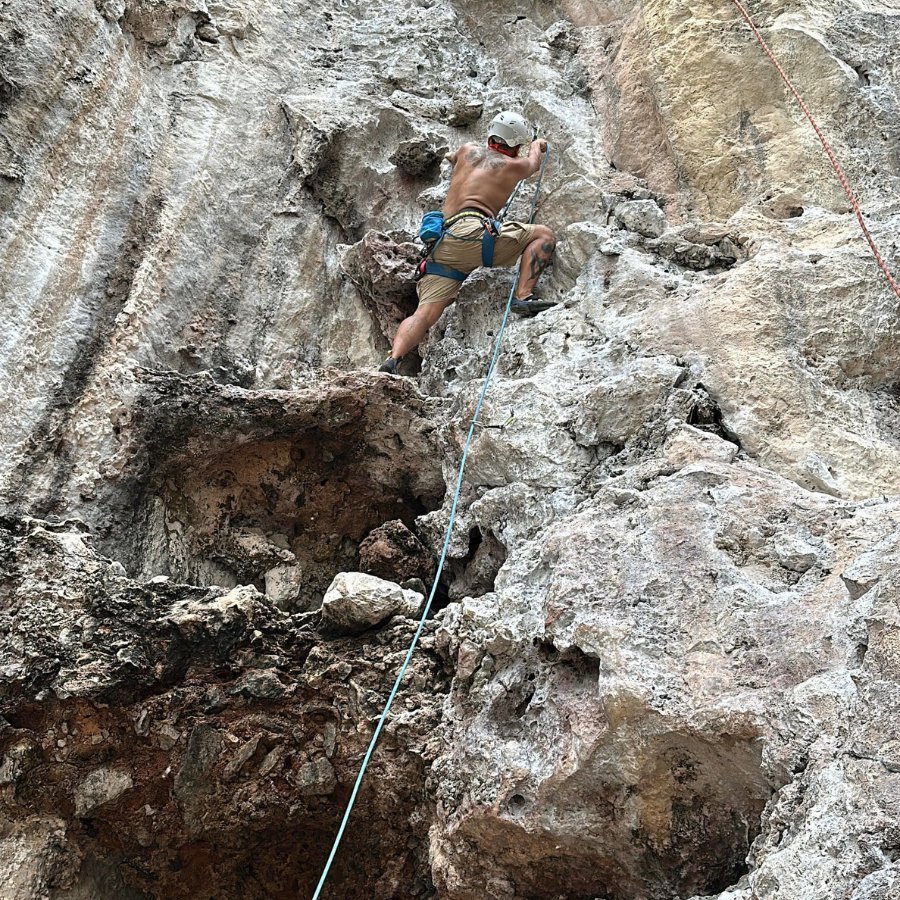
[511,128]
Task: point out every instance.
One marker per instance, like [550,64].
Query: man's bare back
[484,178]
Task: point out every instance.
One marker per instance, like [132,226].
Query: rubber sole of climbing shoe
[389,366]
[530,307]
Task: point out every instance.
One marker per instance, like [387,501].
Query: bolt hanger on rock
[500,427]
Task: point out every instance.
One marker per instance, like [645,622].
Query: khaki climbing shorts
[465,255]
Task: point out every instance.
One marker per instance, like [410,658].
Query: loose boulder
[356,601]
[393,552]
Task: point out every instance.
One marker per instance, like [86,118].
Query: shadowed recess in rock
[627,804]
[474,574]
[677,825]
[208,750]
[263,489]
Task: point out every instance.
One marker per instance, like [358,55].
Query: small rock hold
[130,656]
[240,758]
[795,554]
[167,737]
[208,32]
[273,757]
[316,779]
[142,726]
[100,787]
[111,10]
[465,113]
[215,700]
[686,444]
[468,659]
[863,574]
[414,584]
[562,36]
[418,157]
[262,684]
[821,475]
[283,585]
[16,761]
[330,739]
[642,216]
[622,496]
[202,749]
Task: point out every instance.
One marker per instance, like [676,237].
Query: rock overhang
[207,715]
[229,484]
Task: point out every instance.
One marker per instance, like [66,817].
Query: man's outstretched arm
[526,166]
[535,154]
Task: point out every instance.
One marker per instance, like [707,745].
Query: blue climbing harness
[435,228]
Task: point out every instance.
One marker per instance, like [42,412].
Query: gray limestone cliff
[664,662]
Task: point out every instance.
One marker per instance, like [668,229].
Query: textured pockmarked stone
[642,216]
[663,653]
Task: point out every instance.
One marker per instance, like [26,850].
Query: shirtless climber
[483,179]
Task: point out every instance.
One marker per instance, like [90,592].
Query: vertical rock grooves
[51,456]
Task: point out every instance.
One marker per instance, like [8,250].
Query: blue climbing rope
[440,567]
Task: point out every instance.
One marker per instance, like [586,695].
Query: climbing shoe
[530,306]
[389,366]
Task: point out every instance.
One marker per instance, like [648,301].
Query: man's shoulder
[467,152]
[471,151]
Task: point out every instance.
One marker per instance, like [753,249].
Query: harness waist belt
[491,231]
[465,212]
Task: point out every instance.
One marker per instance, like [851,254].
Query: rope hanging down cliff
[837,168]
[427,609]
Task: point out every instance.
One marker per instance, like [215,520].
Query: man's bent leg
[413,330]
[535,260]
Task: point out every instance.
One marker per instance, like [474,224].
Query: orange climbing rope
[828,150]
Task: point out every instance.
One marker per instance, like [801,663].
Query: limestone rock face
[665,652]
[729,680]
